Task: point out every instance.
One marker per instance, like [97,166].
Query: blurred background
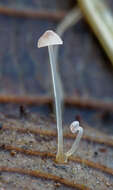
[84,68]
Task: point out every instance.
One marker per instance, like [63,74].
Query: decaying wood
[52,156]
[47,176]
[29,13]
[17,136]
[105,141]
[70,101]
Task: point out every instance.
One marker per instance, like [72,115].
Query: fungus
[50,38]
[75,127]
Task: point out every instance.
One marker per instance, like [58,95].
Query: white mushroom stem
[57,102]
[74,129]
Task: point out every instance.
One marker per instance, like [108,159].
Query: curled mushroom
[75,127]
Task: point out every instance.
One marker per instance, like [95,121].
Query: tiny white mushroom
[75,127]
[50,38]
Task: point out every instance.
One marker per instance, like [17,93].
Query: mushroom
[50,38]
[75,127]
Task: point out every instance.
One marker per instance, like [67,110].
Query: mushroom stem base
[60,158]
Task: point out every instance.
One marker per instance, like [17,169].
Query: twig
[70,101]
[100,22]
[29,13]
[107,142]
[39,174]
[88,163]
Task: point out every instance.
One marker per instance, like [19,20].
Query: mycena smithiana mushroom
[50,38]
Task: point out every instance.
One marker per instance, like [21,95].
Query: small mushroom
[50,38]
[75,127]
